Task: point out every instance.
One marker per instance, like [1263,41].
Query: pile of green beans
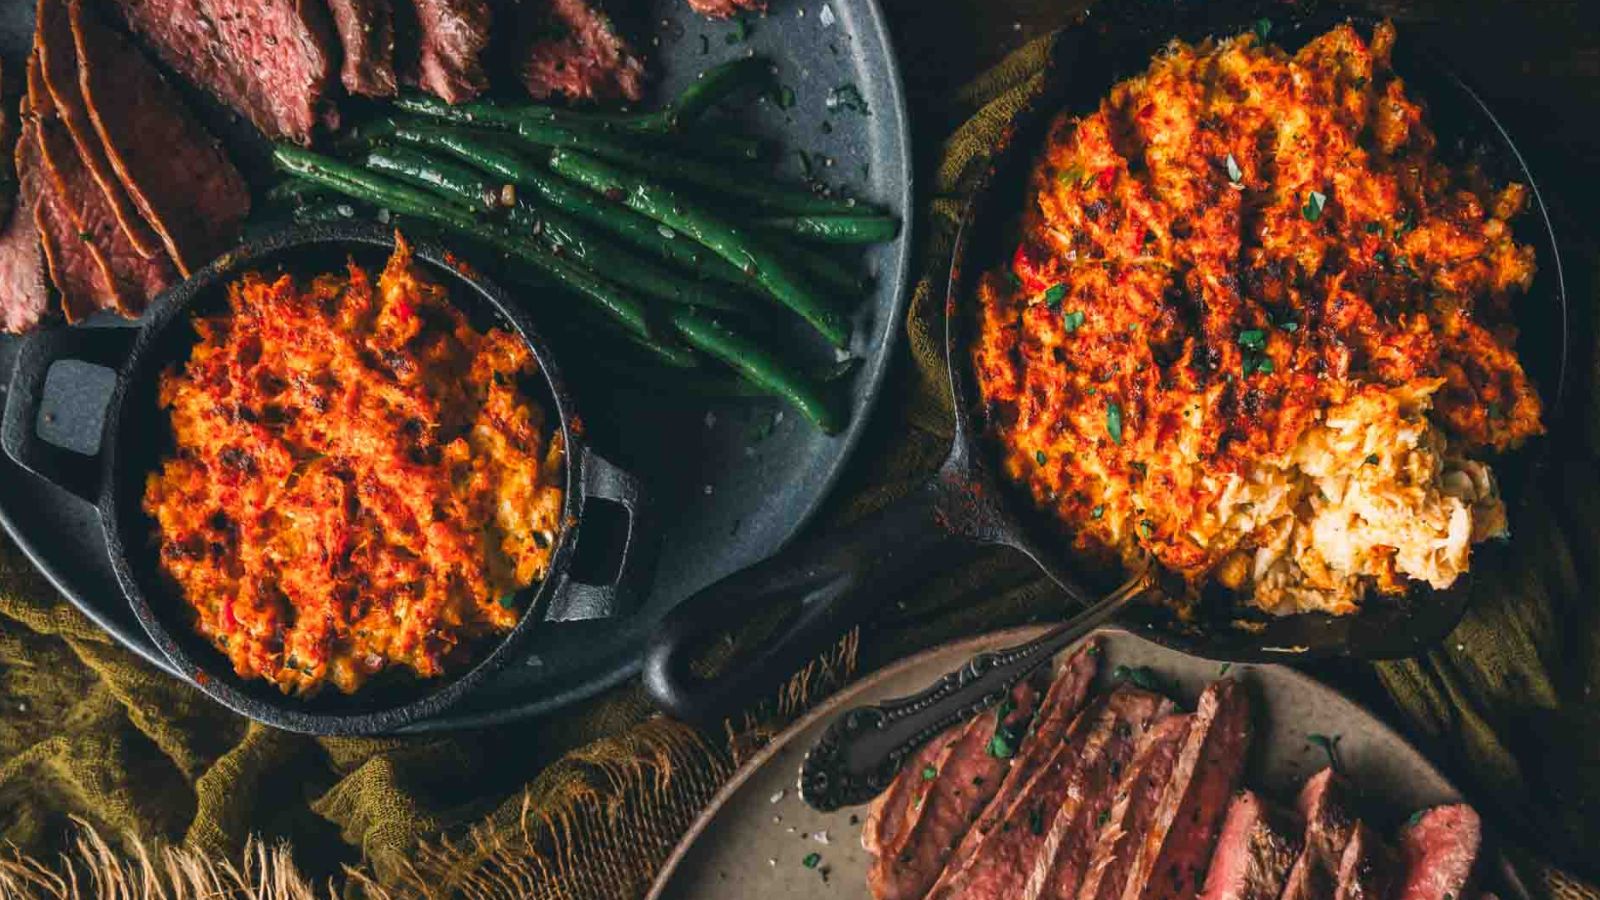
[680,249]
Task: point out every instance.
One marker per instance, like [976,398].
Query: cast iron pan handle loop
[579,601]
[68,469]
[832,583]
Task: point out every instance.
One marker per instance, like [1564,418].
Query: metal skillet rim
[973,458]
[424,697]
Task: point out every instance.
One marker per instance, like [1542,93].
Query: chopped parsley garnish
[1036,820]
[1404,225]
[1415,818]
[1114,421]
[1097,512]
[1147,527]
[1071,175]
[1235,174]
[848,96]
[929,773]
[1105,816]
[1000,746]
[1143,676]
[1054,296]
[1372,459]
[1039,457]
[1315,201]
[1380,257]
[741,30]
[1330,746]
[1263,27]
[1374,228]
[509,601]
[1224,670]
[785,97]
[1290,327]
[811,860]
[1253,339]
[1072,321]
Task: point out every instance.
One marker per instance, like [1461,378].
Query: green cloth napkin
[588,802]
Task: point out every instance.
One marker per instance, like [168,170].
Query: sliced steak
[24,294]
[1171,861]
[58,62]
[1329,824]
[947,795]
[1138,797]
[172,168]
[271,60]
[1059,869]
[1439,848]
[1368,868]
[76,274]
[366,33]
[1004,862]
[442,43]
[887,815]
[571,49]
[1060,707]
[722,9]
[1257,845]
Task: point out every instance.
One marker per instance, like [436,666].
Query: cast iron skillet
[135,437]
[838,580]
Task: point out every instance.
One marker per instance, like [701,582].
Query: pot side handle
[67,469]
[822,587]
[578,600]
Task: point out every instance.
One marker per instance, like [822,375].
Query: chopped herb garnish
[1315,201]
[1097,512]
[1263,27]
[1000,746]
[1105,816]
[1263,365]
[848,96]
[1146,527]
[1114,421]
[1039,457]
[1380,257]
[929,773]
[741,30]
[1224,670]
[1014,278]
[1372,459]
[1054,296]
[1071,175]
[1330,746]
[1253,339]
[1235,174]
[811,860]
[86,236]
[1143,676]
[1404,225]
[785,97]
[1374,228]
[1290,327]
[509,601]
[1415,818]
[1036,820]
[1072,321]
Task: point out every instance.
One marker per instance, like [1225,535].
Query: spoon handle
[861,752]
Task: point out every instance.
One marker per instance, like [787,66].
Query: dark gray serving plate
[729,481]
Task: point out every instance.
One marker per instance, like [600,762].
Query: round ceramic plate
[729,480]
[754,838]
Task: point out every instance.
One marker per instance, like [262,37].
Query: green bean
[716,178]
[560,232]
[367,186]
[640,231]
[772,271]
[835,229]
[715,85]
[751,360]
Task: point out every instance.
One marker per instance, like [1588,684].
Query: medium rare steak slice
[1172,859]
[1368,868]
[366,33]
[172,168]
[1060,707]
[887,815]
[1059,869]
[1439,848]
[79,281]
[571,49]
[722,9]
[58,62]
[1004,862]
[1329,825]
[269,59]
[947,795]
[24,294]
[1257,845]
[1137,799]
[441,47]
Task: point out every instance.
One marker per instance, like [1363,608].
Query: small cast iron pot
[836,581]
[135,436]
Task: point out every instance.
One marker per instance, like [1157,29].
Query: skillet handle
[76,472]
[578,600]
[828,585]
